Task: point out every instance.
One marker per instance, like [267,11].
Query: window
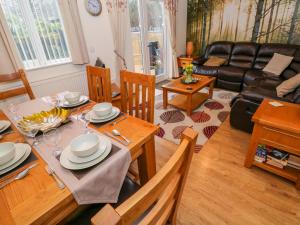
[38,31]
[148,33]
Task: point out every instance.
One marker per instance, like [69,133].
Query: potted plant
[188,72]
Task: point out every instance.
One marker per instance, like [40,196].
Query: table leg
[147,162]
[165,98]
[211,90]
[189,105]
[252,147]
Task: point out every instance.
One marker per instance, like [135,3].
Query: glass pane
[156,38]
[49,26]
[18,26]
[136,35]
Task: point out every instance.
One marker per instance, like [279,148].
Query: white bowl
[85,145]
[102,109]
[72,97]
[7,152]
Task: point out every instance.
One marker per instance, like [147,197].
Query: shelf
[287,172]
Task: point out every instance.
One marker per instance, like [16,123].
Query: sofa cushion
[231,73]
[254,77]
[233,86]
[214,61]
[278,64]
[243,54]
[288,86]
[206,70]
[266,52]
[220,49]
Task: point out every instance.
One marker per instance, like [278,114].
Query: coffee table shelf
[180,101]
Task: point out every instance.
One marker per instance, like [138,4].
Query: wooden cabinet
[278,127]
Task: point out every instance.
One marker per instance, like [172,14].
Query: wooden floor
[221,191]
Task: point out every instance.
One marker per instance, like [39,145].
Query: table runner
[102,183]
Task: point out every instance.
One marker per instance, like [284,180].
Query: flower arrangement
[188,71]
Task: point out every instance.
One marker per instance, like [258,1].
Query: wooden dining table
[36,199]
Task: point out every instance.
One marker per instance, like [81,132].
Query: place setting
[14,156]
[85,151]
[72,100]
[5,128]
[102,113]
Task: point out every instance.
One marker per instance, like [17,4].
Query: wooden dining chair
[137,94]
[158,200]
[99,83]
[20,75]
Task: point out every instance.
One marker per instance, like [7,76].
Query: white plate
[103,142]
[89,116]
[66,163]
[83,99]
[26,150]
[4,124]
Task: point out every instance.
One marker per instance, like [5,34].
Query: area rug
[206,119]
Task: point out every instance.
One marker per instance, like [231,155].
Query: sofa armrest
[296,97]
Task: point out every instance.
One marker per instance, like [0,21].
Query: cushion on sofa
[266,52]
[231,73]
[278,64]
[214,61]
[288,86]
[220,49]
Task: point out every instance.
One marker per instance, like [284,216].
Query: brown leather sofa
[243,73]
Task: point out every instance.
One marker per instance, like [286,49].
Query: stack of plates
[73,162]
[83,99]
[4,124]
[93,118]
[22,151]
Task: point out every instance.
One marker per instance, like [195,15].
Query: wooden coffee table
[278,127]
[188,98]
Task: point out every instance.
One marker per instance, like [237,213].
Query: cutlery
[51,172]
[19,176]
[117,133]
[117,139]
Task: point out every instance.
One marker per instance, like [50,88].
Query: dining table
[36,199]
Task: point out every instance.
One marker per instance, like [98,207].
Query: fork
[51,172]
[19,176]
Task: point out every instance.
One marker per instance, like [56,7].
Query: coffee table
[187,96]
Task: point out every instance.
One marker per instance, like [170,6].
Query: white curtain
[170,12]
[10,57]
[71,19]
[119,14]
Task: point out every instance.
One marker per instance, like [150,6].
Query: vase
[189,49]
[188,78]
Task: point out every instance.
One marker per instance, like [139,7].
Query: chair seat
[84,214]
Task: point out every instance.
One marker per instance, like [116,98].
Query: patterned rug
[206,119]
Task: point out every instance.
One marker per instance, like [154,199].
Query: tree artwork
[263,21]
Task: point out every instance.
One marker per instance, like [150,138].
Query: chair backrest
[137,94]
[20,75]
[99,83]
[158,200]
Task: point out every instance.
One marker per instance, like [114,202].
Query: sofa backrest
[266,52]
[243,54]
[220,49]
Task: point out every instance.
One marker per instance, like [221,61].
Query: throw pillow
[278,64]
[288,86]
[214,61]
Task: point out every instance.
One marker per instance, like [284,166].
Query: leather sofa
[243,72]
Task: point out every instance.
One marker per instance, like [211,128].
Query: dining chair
[158,200]
[99,83]
[19,75]
[137,94]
